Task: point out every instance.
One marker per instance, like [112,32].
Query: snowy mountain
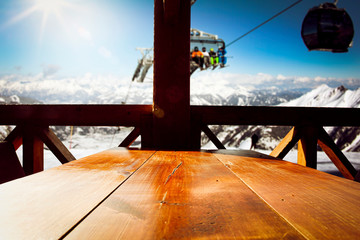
[325,96]
[347,138]
[91,89]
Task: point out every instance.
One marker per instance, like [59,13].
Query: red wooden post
[171,106]
[307,146]
[33,151]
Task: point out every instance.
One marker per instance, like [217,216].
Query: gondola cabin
[327,28]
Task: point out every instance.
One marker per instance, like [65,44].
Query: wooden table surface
[137,194]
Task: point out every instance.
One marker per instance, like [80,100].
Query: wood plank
[183,195]
[319,205]
[47,204]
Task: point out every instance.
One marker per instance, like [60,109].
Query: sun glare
[48,6]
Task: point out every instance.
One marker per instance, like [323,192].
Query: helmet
[211,49]
[196,49]
[204,48]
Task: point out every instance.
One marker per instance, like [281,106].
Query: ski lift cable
[268,20]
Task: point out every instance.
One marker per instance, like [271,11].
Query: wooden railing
[33,121]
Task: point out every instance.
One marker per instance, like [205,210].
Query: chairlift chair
[202,39]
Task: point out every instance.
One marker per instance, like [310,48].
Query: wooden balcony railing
[33,121]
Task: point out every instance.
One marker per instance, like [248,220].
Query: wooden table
[137,194]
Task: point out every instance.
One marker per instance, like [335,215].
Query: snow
[325,96]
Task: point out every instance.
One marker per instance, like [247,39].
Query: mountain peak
[325,96]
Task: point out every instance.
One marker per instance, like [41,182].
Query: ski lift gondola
[327,28]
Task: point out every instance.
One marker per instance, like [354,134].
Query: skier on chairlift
[198,57]
[206,57]
[214,60]
[221,54]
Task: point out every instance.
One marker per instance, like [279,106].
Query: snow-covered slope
[347,138]
[325,96]
[90,89]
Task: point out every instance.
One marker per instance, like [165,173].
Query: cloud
[281,77]
[320,79]
[104,52]
[50,69]
[302,79]
[85,34]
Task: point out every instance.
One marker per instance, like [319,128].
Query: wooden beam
[55,145]
[10,167]
[286,144]
[33,151]
[130,115]
[195,137]
[15,137]
[357,177]
[212,136]
[73,115]
[171,109]
[307,147]
[285,116]
[135,133]
[147,133]
[172,11]
[336,156]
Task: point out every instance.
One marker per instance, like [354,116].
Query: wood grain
[47,204]
[183,195]
[319,205]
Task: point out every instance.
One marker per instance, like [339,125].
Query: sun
[47,9]
[47,6]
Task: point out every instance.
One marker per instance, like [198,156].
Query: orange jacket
[197,54]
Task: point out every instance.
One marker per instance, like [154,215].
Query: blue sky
[76,37]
